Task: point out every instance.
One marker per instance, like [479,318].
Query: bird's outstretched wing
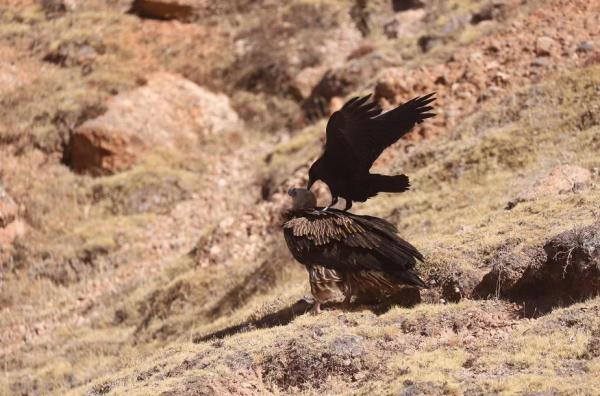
[344,241]
[364,132]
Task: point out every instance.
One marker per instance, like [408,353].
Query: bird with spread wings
[345,252]
[356,135]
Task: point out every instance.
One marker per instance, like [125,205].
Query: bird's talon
[316,308]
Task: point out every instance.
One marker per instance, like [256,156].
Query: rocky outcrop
[561,180]
[168,112]
[565,269]
[341,81]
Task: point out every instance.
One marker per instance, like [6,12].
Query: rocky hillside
[146,147]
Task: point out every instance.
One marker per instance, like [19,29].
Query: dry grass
[94,326]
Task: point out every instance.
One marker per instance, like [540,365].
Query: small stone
[501,78]
[544,46]
[540,62]
[390,29]
[428,42]
[475,56]
[585,46]
[347,346]
[335,104]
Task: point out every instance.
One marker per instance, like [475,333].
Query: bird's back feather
[348,242]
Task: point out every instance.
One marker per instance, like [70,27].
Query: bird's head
[314,173]
[302,199]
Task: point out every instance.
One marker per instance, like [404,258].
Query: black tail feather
[384,183]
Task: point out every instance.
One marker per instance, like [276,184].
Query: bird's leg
[348,204]
[316,308]
[348,300]
[334,200]
[347,290]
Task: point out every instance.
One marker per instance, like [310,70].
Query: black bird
[347,253]
[356,136]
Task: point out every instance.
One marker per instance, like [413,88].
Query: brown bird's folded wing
[348,242]
[361,129]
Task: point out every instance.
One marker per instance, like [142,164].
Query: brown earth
[145,154]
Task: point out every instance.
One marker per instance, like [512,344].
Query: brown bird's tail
[384,183]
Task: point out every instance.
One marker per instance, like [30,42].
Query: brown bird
[356,135]
[345,252]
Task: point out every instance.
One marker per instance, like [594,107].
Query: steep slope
[171,276]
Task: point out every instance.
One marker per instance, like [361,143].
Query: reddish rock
[168,112]
[335,104]
[563,179]
[304,82]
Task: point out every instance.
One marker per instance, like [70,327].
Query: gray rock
[347,346]
[586,46]
[540,62]
[422,388]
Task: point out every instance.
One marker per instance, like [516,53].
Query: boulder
[304,82]
[168,112]
[561,180]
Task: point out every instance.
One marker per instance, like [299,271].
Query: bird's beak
[290,192]
[311,181]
